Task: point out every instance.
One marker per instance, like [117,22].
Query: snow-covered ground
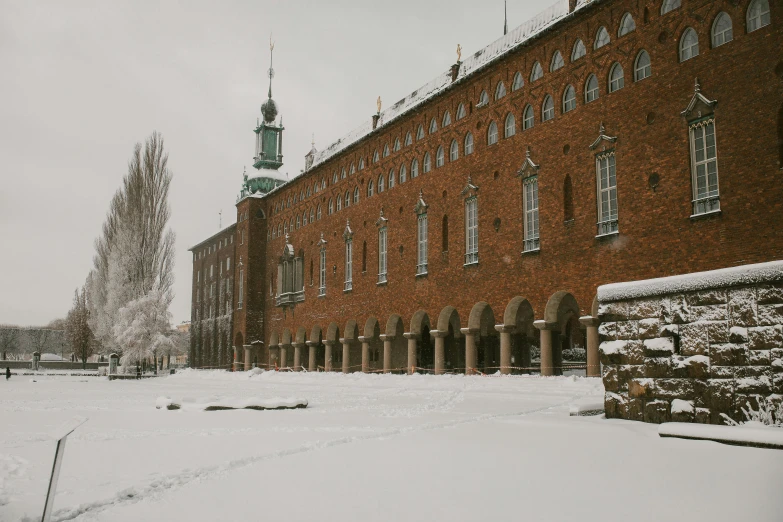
[367,448]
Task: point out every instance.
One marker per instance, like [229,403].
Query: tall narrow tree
[77,329]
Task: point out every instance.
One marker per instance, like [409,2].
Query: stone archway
[485,352]
[517,337]
[285,349]
[395,350]
[421,349]
[273,359]
[560,317]
[239,351]
[299,348]
[316,350]
[449,342]
[372,346]
[351,352]
[331,344]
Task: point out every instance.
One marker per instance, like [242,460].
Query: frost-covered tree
[142,328]
[77,329]
[9,341]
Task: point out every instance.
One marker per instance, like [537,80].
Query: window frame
[579,47]
[709,202]
[530,215]
[512,127]
[536,72]
[468,143]
[453,150]
[440,157]
[714,35]
[588,90]
[761,14]
[686,34]
[599,34]
[492,133]
[528,117]
[556,64]
[616,83]
[471,231]
[569,103]
[422,243]
[608,222]
[647,68]
[382,255]
[623,25]
[348,265]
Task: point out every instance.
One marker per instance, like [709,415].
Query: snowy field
[368,448]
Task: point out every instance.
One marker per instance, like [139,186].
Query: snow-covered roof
[269,173]
[212,237]
[735,276]
[494,51]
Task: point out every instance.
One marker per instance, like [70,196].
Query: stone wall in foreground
[689,348]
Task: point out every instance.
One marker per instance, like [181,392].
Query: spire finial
[601,129]
[697,87]
[505,18]
[313,141]
[459,52]
[527,154]
[378,104]
[271,70]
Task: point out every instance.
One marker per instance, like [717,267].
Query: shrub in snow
[575,354]
[770,413]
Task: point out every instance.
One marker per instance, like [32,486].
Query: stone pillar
[471,355]
[412,345]
[248,356]
[547,366]
[346,354]
[298,356]
[593,360]
[387,348]
[505,347]
[440,350]
[35,361]
[114,360]
[328,356]
[365,353]
[284,355]
[312,346]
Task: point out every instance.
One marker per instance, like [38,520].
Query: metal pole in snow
[61,435]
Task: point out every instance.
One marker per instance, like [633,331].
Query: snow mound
[232,403]
[756,434]
[587,406]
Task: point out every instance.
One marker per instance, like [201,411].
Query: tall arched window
[669,5]
[381,184]
[356,195]
[483,99]
[601,38]
[279,229]
[370,188]
[361,163]
[392,180]
[318,213]
[568,199]
[591,89]
[304,218]
[347,198]
[616,78]
[569,99]
[440,157]
[353,170]
[689,44]
[433,126]
[518,82]
[427,163]
[396,144]
[642,68]
[579,50]
[420,132]
[408,138]
[403,174]
[557,62]
[444,233]
[386,150]
[298,222]
[331,207]
[414,168]
[500,90]
[627,25]
[547,109]
[528,118]
[758,15]
[312,215]
[461,111]
[492,133]
[721,30]
[446,119]
[510,127]
[537,72]
[375,157]
[468,143]
[454,151]
[339,202]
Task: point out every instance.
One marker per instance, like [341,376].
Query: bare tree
[39,336]
[77,329]
[9,340]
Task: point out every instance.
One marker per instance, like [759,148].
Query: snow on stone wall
[687,351]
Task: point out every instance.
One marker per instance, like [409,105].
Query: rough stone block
[698,366]
[718,332]
[644,309]
[682,411]
[701,391]
[709,313]
[769,314]
[693,339]
[656,367]
[608,330]
[746,401]
[777,383]
[634,353]
[641,388]
[617,311]
[708,297]
[721,395]
[738,334]
[702,416]
[776,353]
[729,354]
[611,382]
[765,337]
[679,311]
[754,385]
[674,389]
[770,294]
[648,328]
[721,372]
[611,405]
[751,371]
[669,330]
[612,351]
[627,372]
[635,409]
[742,307]
[759,357]
[657,411]
[627,329]
[659,347]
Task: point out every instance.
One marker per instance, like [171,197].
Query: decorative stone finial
[696,86]
[378,104]
[527,154]
[459,53]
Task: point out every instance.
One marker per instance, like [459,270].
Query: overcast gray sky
[82,82]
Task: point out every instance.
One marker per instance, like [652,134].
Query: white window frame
[569,102]
[626,26]
[241,296]
[706,192]
[579,50]
[510,125]
[421,244]
[348,264]
[468,143]
[528,117]
[382,255]
[471,230]
[454,151]
[669,6]
[537,72]
[322,272]
[607,193]
[518,82]
[548,109]
[602,38]
[531,240]
[726,34]
[640,72]
[557,61]
[760,15]
[592,94]
[440,157]
[616,82]
[492,133]
[689,50]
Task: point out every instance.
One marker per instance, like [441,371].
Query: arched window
[361,163]
[758,15]
[689,44]
[309,193]
[304,218]
[537,72]
[579,50]
[334,180]
[669,5]
[557,62]
[642,68]
[356,195]
[392,179]
[318,214]
[427,163]
[500,90]
[627,25]
[370,189]
[408,138]
[420,132]
[616,78]
[569,99]
[312,215]
[468,143]
[461,111]
[274,232]
[483,99]
[518,82]
[547,108]
[492,133]
[444,233]
[291,226]
[721,30]
[316,187]
[454,151]
[601,38]
[591,89]
[298,222]
[285,227]
[433,125]
[375,156]
[568,199]
[403,174]
[510,127]
[381,184]
[446,119]
[386,150]
[414,168]
[339,202]
[396,144]
[323,183]
[440,158]
[353,168]
[528,118]
[342,173]
[347,198]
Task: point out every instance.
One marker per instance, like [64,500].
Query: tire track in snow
[173,482]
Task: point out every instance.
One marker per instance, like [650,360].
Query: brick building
[469,225]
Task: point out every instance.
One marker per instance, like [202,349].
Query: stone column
[298,356]
[284,355]
[365,353]
[248,355]
[346,354]
[312,347]
[505,347]
[387,348]
[593,360]
[547,366]
[328,356]
[471,355]
[440,350]
[412,345]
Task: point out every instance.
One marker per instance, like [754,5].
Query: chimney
[375,118]
[455,71]
[571,5]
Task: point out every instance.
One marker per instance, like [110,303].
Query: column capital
[469,331]
[345,340]
[385,337]
[298,345]
[589,320]
[503,328]
[247,346]
[329,343]
[311,343]
[438,333]
[363,339]
[285,345]
[543,325]
[410,335]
